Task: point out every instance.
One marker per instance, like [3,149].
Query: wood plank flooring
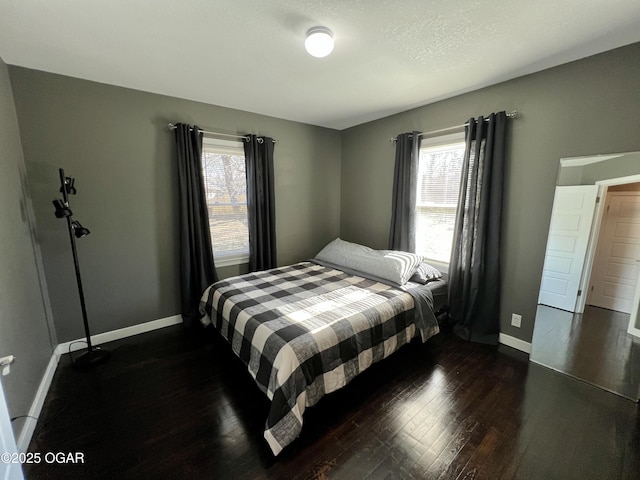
[593,346]
[177,404]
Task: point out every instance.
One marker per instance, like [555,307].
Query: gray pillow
[426,273]
[395,266]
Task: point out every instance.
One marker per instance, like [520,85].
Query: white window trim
[230,260]
[234,258]
[442,140]
[443,267]
[217,142]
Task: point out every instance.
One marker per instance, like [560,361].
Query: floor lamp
[94,355]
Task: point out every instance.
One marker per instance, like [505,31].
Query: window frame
[432,143]
[230,259]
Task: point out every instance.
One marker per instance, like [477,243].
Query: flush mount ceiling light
[319,42]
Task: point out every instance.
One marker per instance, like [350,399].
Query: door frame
[581,300]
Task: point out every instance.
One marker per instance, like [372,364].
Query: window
[439,173]
[225,182]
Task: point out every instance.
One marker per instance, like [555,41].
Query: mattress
[306,330]
[439,290]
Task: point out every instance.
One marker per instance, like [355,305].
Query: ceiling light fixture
[319,42]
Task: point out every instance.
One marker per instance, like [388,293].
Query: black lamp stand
[93,355]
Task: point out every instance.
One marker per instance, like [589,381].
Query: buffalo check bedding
[307,329]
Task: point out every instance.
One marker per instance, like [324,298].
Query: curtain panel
[197,270]
[402,232]
[258,153]
[474,270]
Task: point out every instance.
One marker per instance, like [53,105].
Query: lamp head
[78,230]
[62,209]
[69,186]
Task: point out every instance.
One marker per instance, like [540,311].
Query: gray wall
[24,309]
[115,142]
[570,175]
[625,165]
[585,107]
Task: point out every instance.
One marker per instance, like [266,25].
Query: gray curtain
[258,153]
[403,204]
[197,270]
[474,270]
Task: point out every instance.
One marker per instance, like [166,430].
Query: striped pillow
[426,273]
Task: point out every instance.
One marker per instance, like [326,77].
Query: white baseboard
[105,337]
[36,406]
[514,342]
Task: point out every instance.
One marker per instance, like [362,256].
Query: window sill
[230,260]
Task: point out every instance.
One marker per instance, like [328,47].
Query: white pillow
[395,266]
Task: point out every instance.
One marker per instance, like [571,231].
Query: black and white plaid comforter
[306,330]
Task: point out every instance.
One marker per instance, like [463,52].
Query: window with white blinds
[225,182]
[439,173]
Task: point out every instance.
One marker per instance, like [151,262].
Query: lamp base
[91,358]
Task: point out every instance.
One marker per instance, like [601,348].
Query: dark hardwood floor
[177,404]
[593,346]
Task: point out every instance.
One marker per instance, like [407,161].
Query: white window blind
[225,182]
[439,173]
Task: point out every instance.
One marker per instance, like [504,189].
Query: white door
[571,219]
[617,265]
[8,450]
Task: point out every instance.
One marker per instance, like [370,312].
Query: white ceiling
[390,55]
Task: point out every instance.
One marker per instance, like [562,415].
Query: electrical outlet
[516,320]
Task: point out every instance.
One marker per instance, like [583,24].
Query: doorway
[616,267]
[566,336]
[593,249]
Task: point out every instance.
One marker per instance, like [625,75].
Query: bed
[306,330]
